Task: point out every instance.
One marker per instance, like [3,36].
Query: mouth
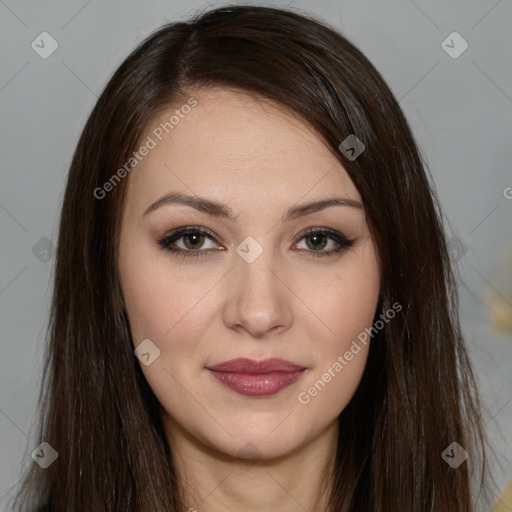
[257,378]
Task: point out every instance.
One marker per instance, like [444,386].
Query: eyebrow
[221,210]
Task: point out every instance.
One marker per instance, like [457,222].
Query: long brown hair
[417,395]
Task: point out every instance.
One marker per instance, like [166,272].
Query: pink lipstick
[257,378]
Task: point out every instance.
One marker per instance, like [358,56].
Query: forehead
[234,145]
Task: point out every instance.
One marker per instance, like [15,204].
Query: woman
[253,307]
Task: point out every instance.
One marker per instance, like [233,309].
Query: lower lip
[250,384]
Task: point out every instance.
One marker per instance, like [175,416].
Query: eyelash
[165,243]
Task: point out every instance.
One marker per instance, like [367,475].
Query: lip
[257,378]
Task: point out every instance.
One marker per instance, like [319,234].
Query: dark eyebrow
[313,206]
[221,210]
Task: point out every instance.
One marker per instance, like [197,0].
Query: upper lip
[244,365]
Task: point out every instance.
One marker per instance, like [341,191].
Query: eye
[193,239]
[317,239]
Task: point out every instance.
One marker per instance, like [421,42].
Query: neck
[210,480]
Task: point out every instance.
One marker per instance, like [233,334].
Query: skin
[199,311]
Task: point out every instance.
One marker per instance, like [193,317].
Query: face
[246,279]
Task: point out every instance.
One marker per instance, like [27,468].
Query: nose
[259,298]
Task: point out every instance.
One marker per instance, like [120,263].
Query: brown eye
[318,241]
[195,240]
[188,241]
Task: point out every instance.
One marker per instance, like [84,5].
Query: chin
[252,442]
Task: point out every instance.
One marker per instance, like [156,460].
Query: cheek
[165,307]
[158,298]
[328,392]
[348,305]
[148,311]
[341,357]
[348,308]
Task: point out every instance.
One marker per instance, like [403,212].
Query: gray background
[460,110]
